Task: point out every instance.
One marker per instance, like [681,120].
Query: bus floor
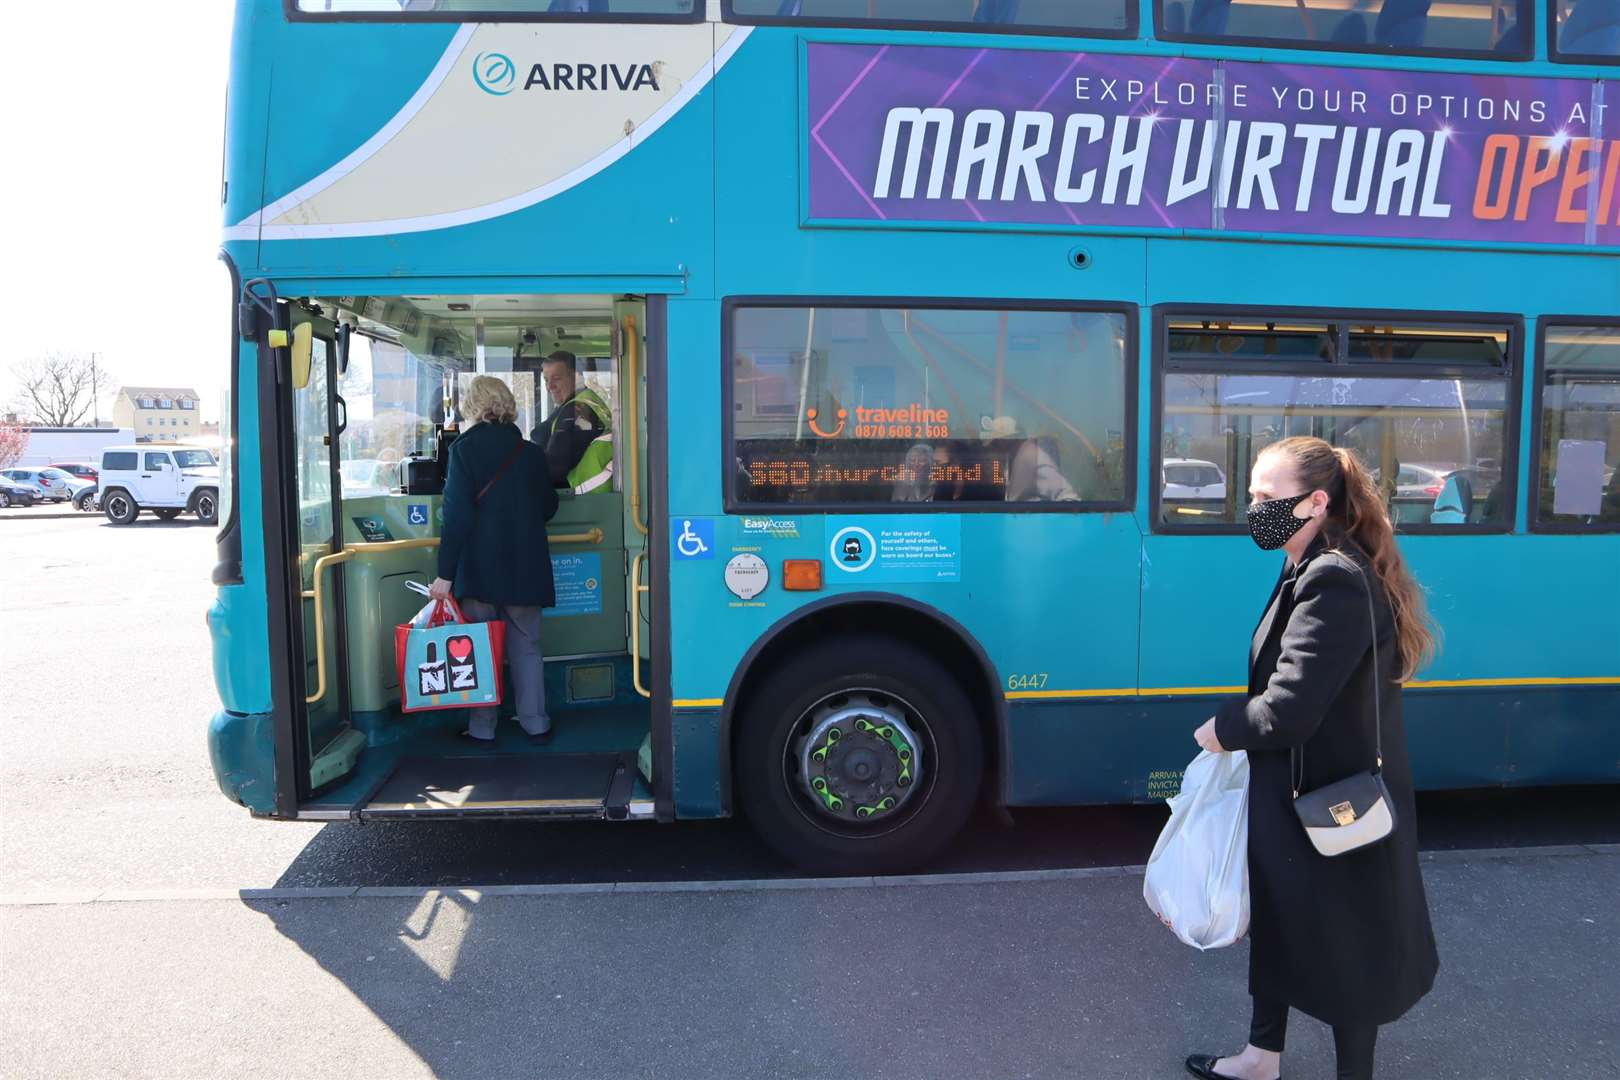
[587,770]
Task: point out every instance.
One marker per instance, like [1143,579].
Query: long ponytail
[1356,510]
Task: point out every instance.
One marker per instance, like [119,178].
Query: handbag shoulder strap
[1378,686]
[1296,764]
[507,464]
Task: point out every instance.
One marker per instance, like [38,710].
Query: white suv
[163,479]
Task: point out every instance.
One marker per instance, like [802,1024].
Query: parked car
[1190,478]
[84,470]
[77,486]
[15,494]
[52,483]
[1417,481]
[167,480]
[86,474]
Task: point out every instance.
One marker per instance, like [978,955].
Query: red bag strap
[507,464]
[446,613]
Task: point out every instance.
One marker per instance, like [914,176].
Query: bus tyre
[206,506]
[862,754]
[120,507]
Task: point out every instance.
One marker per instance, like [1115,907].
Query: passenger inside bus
[1034,474]
[494,556]
[916,482]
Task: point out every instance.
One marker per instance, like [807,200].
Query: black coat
[1345,939]
[495,550]
[568,432]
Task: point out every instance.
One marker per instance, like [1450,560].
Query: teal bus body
[1104,640]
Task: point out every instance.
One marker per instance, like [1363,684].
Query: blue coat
[496,550]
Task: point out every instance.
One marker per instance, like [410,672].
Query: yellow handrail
[636,589]
[632,378]
[589,536]
[318,575]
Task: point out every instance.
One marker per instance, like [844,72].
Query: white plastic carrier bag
[1198,875]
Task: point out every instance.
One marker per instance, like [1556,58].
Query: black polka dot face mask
[1272,523]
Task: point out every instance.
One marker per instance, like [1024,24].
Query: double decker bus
[939,339]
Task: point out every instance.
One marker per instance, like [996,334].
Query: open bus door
[355,535]
[325,743]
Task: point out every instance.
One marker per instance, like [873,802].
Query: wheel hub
[860,761]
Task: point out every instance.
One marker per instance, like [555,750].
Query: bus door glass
[316,416]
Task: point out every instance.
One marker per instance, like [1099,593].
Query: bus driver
[578,435]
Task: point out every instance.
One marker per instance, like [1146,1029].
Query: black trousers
[1354,1046]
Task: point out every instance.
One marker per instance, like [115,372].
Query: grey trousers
[525,665]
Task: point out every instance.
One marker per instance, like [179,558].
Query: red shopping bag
[446,662]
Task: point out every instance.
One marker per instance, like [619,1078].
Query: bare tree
[13,441]
[59,389]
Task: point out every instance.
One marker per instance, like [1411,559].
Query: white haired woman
[493,553]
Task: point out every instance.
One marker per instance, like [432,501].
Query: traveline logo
[495,73]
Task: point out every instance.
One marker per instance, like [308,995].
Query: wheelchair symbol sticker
[694,538]
[853,549]
[417,514]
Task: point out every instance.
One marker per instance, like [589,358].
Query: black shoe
[1203,1066]
[468,736]
[542,739]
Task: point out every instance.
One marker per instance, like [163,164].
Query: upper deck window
[1092,17]
[499,10]
[1490,29]
[1588,31]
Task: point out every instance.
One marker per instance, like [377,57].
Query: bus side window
[1578,479]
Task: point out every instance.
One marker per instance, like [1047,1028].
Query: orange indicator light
[801,575]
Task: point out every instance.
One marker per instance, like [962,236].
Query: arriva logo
[495,73]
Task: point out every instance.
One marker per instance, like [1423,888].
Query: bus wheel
[860,755]
[119,507]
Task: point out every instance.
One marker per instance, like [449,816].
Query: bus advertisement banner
[1018,137]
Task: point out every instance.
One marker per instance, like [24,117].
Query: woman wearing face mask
[1345,939]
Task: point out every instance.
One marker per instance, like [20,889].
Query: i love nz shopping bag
[446,662]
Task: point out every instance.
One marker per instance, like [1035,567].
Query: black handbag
[1355,812]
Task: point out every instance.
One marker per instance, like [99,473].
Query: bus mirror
[303,346]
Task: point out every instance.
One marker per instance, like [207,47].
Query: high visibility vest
[593,401]
[595,469]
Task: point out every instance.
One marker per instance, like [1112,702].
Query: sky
[113,129]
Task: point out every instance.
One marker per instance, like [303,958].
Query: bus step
[506,785]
